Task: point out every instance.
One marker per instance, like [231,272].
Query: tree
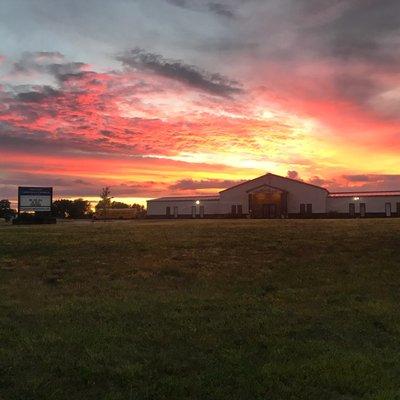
[119,204]
[140,210]
[62,208]
[78,208]
[5,209]
[105,203]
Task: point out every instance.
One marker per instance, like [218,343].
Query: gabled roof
[282,177]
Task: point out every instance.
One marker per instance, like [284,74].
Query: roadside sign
[35,198]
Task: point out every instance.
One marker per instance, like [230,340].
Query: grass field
[245,309]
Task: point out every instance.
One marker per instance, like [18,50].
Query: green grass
[245,309]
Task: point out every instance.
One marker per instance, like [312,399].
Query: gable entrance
[267,202]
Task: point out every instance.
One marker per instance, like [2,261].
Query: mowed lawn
[229,309]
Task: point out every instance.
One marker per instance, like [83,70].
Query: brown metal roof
[187,198]
[366,194]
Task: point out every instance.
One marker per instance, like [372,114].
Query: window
[233,209]
[201,211]
[302,209]
[240,209]
[398,209]
[388,209]
[352,209]
[176,212]
[309,209]
[362,210]
[193,211]
[168,211]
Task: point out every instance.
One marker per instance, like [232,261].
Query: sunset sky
[177,97]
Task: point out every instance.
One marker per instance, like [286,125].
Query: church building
[273,196]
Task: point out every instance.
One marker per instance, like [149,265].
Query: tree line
[78,208]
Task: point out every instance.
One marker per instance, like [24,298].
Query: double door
[269,210]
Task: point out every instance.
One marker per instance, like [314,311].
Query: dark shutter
[233,209]
[309,209]
[363,209]
[240,209]
[168,211]
[352,209]
[250,204]
[302,209]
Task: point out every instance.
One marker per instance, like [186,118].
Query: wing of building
[273,196]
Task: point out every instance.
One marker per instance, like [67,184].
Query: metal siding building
[273,196]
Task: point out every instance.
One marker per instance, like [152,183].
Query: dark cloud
[24,178]
[36,60]
[357,178]
[372,178]
[368,182]
[82,182]
[44,92]
[317,181]
[70,186]
[178,3]
[359,31]
[293,175]
[217,8]
[106,133]
[43,142]
[52,63]
[356,88]
[173,69]
[64,71]
[221,9]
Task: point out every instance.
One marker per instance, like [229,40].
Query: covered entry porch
[267,202]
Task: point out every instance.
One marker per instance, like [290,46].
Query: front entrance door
[269,210]
[269,204]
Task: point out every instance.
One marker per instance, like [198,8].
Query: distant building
[273,196]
